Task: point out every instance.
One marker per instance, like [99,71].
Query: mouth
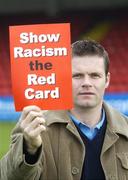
[86,93]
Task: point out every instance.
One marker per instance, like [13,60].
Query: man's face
[89,81]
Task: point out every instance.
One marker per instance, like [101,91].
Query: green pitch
[5,130]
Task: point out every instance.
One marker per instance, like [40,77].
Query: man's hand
[32,124]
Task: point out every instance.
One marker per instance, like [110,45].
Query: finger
[27,109]
[32,119]
[36,122]
[31,116]
[37,131]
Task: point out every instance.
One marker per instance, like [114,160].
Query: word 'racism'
[25,38]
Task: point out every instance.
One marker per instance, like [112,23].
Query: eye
[95,75]
[77,76]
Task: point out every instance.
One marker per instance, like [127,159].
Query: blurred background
[105,21]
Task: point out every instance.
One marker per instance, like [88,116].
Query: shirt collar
[98,125]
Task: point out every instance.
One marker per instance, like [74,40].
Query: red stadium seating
[116,42]
[5,77]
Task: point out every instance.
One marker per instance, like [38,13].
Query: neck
[89,116]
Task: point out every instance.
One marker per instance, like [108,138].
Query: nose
[86,82]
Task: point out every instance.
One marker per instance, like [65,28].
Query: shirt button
[75,170]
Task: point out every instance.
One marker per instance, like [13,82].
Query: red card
[41,66]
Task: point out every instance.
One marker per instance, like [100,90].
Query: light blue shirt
[90,133]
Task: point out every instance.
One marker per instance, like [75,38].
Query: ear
[107,80]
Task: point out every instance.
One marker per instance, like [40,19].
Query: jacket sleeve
[13,165]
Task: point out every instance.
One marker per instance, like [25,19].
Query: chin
[86,105]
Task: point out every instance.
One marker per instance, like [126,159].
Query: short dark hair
[89,48]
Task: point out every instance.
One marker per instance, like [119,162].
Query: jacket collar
[56,116]
[62,116]
[117,123]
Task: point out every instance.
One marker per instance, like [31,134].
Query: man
[88,142]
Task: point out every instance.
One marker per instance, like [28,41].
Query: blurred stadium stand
[108,26]
[116,42]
